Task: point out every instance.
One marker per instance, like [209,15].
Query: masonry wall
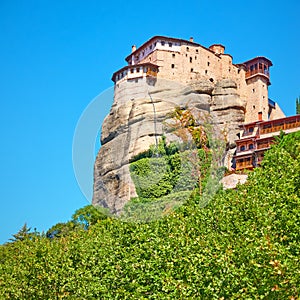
[185,62]
[257,100]
[194,63]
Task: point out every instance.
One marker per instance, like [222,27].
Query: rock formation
[136,121]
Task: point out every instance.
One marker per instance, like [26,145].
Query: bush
[245,244]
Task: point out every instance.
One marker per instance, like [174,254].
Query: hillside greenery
[244,244]
[165,177]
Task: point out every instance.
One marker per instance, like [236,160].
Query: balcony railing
[151,73]
[263,145]
[257,71]
[280,127]
[243,165]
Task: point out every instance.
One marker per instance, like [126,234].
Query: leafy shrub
[245,244]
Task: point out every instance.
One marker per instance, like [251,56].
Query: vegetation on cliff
[245,244]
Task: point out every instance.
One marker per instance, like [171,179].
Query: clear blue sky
[56,56]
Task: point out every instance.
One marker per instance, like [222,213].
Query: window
[251,146]
[162,43]
[208,63]
[191,59]
[253,90]
[150,47]
[131,70]
[137,70]
[172,66]
[205,72]
[195,57]
[253,107]
[192,70]
[187,49]
[243,148]
[197,50]
[170,44]
[251,129]
[173,55]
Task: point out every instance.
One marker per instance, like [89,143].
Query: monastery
[185,61]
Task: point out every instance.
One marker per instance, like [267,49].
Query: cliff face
[136,120]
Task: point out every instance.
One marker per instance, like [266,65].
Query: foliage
[83,218]
[24,233]
[298,106]
[61,230]
[88,215]
[185,126]
[162,149]
[245,244]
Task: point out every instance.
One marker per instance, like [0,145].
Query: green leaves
[245,244]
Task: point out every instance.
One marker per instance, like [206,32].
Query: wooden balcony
[275,128]
[263,145]
[151,73]
[265,73]
[240,165]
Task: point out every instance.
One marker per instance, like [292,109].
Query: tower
[257,77]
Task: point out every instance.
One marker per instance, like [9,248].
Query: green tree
[61,230]
[298,106]
[89,215]
[22,234]
[244,244]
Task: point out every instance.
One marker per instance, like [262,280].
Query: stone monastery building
[186,61]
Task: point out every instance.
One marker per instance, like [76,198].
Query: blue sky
[57,56]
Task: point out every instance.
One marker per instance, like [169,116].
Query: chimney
[133,48]
[260,116]
[191,39]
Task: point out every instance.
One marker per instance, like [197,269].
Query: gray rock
[137,119]
[231,181]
